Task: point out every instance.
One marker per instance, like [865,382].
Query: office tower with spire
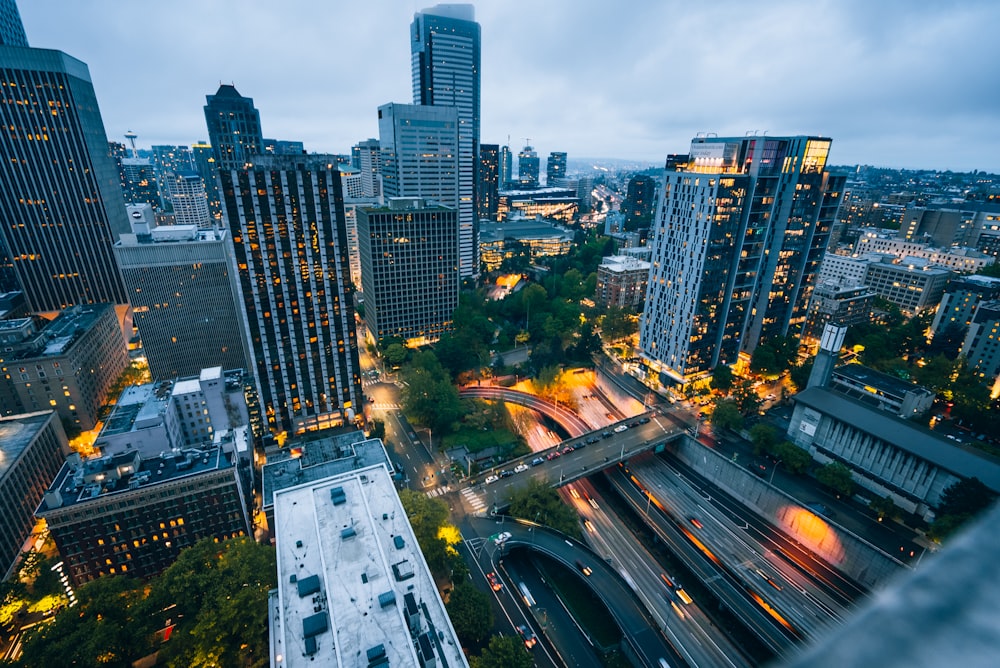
[233,128]
[445,50]
[740,230]
[286,217]
[528,166]
[11,28]
[488,191]
[61,205]
[555,168]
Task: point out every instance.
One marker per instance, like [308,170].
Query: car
[490,479]
[568,449]
[576,494]
[527,636]
[554,454]
[537,460]
[584,568]
[494,581]
[506,473]
[696,522]
[589,526]
[644,420]
[606,434]
[770,397]
[581,445]
[620,428]
[501,538]
[633,424]
[520,468]
[593,439]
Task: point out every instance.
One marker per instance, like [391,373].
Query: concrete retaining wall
[845,551]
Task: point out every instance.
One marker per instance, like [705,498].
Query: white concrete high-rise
[445,49]
[189,200]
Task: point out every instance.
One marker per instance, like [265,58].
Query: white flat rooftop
[347,561]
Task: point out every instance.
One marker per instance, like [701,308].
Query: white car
[520,468]
[501,538]
[490,479]
[620,428]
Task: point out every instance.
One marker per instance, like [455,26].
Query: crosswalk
[385,406]
[438,491]
[474,500]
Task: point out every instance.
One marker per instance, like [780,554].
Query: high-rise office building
[186,191]
[139,184]
[640,194]
[489,181]
[233,128]
[369,159]
[286,217]
[11,28]
[419,152]
[528,166]
[185,295]
[445,49]
[738,237]
[409,269]
[61,205]
[204,163]
[506,168]
[555,167]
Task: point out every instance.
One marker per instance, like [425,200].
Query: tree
[220,591]
[884,507]
[722,378]
[800,374]
[429,519]
[503,652]
[794,458]
[746,398]
[764,438]
[965,498]
[429,396]
[540,503]
[395,354]
[726,415]
[836,476]
[470,612]
[617,324]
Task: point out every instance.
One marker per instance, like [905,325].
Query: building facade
[409,269]
[369,155]
[419,149]
[188,199]
[11,28]
[982,345]
[621,281]
[960,260]
[233,128]
[32,449]
[831,303]
[640,195]
[489,181]
[67,366]
[555,167]
[59,246]
[185,296]
[528,167]
[128,515]
[286,218]
[913,285]
[739,234]
[445,52]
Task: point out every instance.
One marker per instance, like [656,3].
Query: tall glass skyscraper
[445,48]
[233,128]
[488,190]
[11,28]
[61,204]
[286,217]
[555,168]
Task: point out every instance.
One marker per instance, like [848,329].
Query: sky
[894,83]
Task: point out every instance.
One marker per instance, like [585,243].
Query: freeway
[798,599]
[567,419]
[684,623]
[729,591]
[639,631]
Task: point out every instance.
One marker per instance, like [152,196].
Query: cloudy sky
[896,83]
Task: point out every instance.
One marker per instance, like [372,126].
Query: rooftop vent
[337,496]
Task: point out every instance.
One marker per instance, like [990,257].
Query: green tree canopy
[792,457]
[836,476]
[429,395]
[540,503]
[617,324]
[471,613]
[966,497]
[726,415]
[503,652]
[764,438]
[722,378]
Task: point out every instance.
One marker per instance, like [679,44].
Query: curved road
[567,419]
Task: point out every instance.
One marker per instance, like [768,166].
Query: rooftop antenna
[131,136]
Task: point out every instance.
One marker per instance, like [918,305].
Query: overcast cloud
[896,84]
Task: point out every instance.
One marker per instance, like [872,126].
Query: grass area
[477,439]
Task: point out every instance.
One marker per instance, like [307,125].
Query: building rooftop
[521,229]
[867,376]
[620,263]
[137,406]
[16,433]
[353,585]
[62,333]
[304,461]
[79,481]
[916,440]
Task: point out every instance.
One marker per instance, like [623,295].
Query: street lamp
[773,469]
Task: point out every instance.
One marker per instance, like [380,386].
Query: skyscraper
[286,216]
[445,48]
[11,28]
[528,166]
[506,168]
[555,168]
[139,182]
[489,181]
[638,205]
[369,156]
[186,191]
[205,165]
[188,307]
[61,205]
[738,236]
[419,152]
[233,128]
[409,269]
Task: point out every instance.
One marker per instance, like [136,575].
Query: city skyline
[893,85]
